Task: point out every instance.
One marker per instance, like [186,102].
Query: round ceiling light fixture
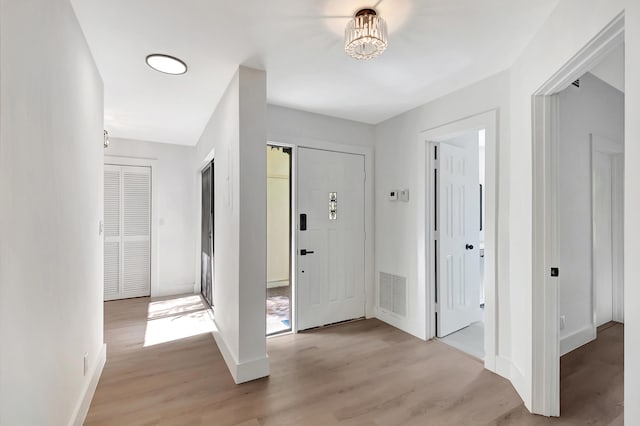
[366,35]
[166,64]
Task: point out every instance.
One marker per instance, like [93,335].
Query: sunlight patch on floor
[175,319]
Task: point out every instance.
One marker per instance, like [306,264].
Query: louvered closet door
[127,232]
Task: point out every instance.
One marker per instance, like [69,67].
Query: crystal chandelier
[365,35]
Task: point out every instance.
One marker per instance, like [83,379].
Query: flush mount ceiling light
[166,64]
[366,35]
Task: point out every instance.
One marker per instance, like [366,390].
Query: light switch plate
[403,195]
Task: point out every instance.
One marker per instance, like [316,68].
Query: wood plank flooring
[361,373]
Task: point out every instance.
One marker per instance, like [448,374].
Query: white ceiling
[435,47]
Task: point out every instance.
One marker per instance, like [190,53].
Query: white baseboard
[173,290]
[82,408]
[576,339]
[398,322]
[277,284]
[241,372]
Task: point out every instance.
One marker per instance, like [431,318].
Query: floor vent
[393,293]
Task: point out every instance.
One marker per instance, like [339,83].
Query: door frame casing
[367,152]
[489,122]
[197,286]
[117,160]
[293,199]
[212,237]
[545,294]
[615,152]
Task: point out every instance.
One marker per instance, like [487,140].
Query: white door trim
[367,152]
[546,328]
[488,121]
[197,286]
[616,154]
[151,163]
[293,267]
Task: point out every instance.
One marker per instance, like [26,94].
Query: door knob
[305,252]
[469,247]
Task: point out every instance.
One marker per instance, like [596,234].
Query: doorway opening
[279,215]
[207,234]
[457,198]
[462,283]
[578,237]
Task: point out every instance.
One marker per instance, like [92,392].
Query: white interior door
[330,267]
[127,232]
[457,235]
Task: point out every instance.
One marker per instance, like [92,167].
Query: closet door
[127,232]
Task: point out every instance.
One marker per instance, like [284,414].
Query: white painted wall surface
[175,189]
[632,212]
[303,128]
[560,38]
[399,249]
[236,136]
[611,69]
[595,107]
[51,274]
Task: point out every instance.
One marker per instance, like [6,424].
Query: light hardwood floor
[361,373]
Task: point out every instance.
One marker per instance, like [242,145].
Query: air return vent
[393,293]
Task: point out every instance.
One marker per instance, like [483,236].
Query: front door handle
[469,247]
[305,252]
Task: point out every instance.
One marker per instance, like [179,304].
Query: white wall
[399,247]
[611,69]
[175,190]
[302,128]
[51,267]
[631,212]
[595,107]
[563,35]
[236,137]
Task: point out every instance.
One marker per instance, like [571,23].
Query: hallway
[364,372]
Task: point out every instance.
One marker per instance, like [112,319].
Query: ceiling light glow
[166,64]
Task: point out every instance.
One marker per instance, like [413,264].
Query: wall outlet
[86,363]
[562,322]
[393,195]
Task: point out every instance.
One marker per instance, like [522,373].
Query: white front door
[457,235]
[330,254]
